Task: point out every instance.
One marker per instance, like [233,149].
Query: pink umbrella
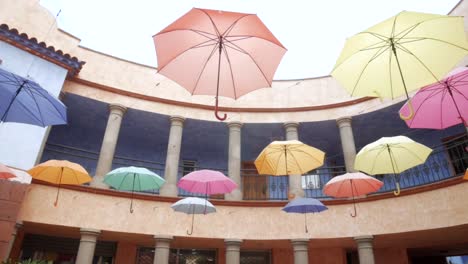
[213,52]
[442,104]
[6,173]
[207,182]
[351,185]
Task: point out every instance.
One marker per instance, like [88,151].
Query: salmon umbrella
[60,172]
[351,185]
[211,52]
[401,54]
[6,173]
[442,104]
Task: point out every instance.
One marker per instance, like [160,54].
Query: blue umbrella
[24,101]
[304,206]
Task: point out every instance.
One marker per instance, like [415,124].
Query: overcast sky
[313,31]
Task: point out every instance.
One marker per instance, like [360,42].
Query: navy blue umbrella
[305,206]
[24,101]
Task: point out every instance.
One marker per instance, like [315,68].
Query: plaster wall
[21,143]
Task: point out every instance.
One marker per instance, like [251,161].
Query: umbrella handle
[411,114]
[398,190]
[354,201]
[305,223]
[216,112]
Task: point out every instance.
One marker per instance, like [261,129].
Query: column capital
[235,124]
[364,241]
[177,120]
[163,238]
[344,121]
[90,232]
[118,109]
[300,241]
[287,125]
[233,242]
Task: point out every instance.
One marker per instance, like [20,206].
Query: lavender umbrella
[304,206]
[24,101]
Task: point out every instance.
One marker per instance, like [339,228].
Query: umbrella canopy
[288,158]
[465,177]
[305,206]
[207,182]
[212,52]
[193,205]
[401,54]
[24,101]
[442,104]
[391,155]
[60,172]
[351,185]
[133,179]
[6,173]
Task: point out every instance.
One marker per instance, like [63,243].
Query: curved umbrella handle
[411,114]
[355,212]
[216,112]
[398,190]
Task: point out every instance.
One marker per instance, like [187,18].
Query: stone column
[365,250]
[347,142]
[234,160]
[109,142]
[233,250]
[162,249]
[301,248]
[18,226]
[173,155]
[295,183]
[87,245]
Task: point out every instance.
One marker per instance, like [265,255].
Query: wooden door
[254,186]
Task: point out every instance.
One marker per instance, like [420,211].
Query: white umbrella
[193,205]
[21,176]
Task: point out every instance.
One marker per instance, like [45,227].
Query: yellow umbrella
[391,155]
[288,158]
[401,54]
[466,175]
[60,172]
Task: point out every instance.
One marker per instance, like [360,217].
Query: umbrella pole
[193,220]
[449,88]
[286,159]
[410,106]
[397,183]
[354,201]
[133,190]
[305,223]
[217,84]
[58,189]
[11,102]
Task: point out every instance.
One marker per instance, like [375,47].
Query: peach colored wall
[282,255]
[31,18]
[437,208]
[328,256]
[126,253]
[390,256]
[11,197]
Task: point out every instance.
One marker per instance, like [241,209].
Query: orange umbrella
[60,172]
[6,173]
[466,175]
[220,53]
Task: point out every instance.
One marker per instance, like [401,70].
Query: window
[188,166]
[457,150]
[310,181]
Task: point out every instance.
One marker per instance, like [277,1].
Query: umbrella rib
[441,104]
[231,27]
[404,49]
[256,37]
[439,40]
[433,93]
[204,67]
[123,180]
[200,32]
[390,56]
[218,34]
[230,70]
[295,160]
[460,93]
[411,28]
[37,106]
[380,149]
[409,150]
[376,35]
[24,107]
[298,150]
[51,102]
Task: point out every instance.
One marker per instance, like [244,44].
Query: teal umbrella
[133,179]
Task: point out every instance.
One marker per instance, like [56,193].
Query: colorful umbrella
[193,205]
[401,54]
[207,182]
[351,185]
[466,175]
[304,206]
[60,172]
[133,179]
[442,104]
[391,155]
[290,157]
[24,101]
[220,53]
[6,173]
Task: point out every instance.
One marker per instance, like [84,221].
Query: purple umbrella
[304,206]
[24,101]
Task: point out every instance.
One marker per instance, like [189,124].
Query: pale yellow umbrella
[391,155]
[290,157]
[401,54]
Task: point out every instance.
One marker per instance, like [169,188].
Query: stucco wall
[432,209]
[21,143]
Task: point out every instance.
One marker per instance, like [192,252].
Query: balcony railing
[447,161]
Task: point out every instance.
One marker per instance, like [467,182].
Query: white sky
[313,31]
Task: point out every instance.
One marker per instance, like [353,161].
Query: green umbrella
[133,179]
